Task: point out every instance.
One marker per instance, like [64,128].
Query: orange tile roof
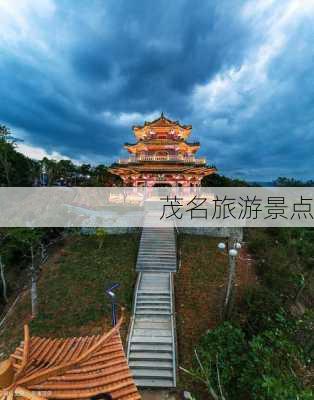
[73,368]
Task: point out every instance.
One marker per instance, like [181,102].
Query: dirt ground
[158,395]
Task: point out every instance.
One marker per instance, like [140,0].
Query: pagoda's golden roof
[73,368]
[162,124]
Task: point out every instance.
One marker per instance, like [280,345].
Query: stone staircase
[152,344]
[157,250]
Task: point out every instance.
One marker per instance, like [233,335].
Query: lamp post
[112,296]
[43,175]
[232,247]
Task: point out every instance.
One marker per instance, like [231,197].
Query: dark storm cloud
[76,75]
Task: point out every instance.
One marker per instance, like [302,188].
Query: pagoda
[162,156]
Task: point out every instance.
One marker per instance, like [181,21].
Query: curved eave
[135,169]
[134,148]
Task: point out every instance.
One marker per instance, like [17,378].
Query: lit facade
[162,156]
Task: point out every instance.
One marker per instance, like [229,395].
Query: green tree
[264,367]
[15,168]
[216,180]
[291,182]
[31,241]
[66,169]
[4,255]
[85,169]
[7,143]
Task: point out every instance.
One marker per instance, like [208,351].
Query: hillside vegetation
[266,350]
[71,288]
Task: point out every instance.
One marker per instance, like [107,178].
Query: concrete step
[157,245]
[152,325]
[145,292]
[164,277]
[156,383]
[155,283]
[164,364]
[155,289]
[152,332]
[153,302]
[156,248]
[156,269]
[161,253]
[158,236]
[150,340]
[148,282]
[156,257]
[157,261]
[160,348]
[153,307]
[155,318]
[156,239]
[151,266]
[152,356]
[148,373]
[152,297]
[152,312]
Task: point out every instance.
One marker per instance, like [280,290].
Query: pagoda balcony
[184,160]
[162,141]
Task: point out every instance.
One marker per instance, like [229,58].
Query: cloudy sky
[75,75]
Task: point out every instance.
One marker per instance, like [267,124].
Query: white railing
[163,158]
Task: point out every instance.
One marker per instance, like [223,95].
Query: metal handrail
[131,325]
[178,254]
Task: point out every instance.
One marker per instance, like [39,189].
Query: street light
[232,249]
[112,295]
[237,245]
[221,246]
[233,252]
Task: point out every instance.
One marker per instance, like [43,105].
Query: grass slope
[72,300]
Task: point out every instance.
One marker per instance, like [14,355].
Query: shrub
[265,367]
[221,354]
[260,307]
